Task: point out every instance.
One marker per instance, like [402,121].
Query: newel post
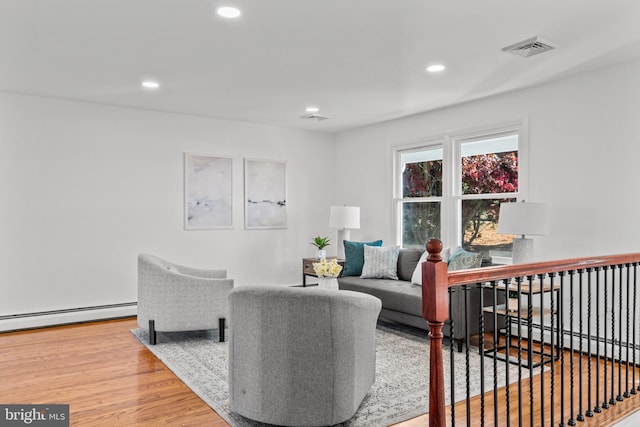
[435,310]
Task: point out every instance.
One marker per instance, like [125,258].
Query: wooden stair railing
[436,312]
[436,280]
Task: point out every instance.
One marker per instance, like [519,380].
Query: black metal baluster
[496,342]
[572,421]
[612,400]
[508,356]
[519,314]
[560,348]
[465,291]
[552,349]
[627,394]
[530,349]
[605,403]
[542,351]
[634,390]
[589,412]
[481,344]
[619,397]
[452,374]
[597,409]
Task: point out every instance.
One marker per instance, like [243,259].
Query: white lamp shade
[524,218]
[344,217]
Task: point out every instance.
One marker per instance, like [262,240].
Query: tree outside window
[487,172]
[421,194]
[477,174]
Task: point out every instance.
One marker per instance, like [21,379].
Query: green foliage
[421,222]
[320,242]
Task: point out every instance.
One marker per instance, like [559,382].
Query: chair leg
[152,332]
[221,322]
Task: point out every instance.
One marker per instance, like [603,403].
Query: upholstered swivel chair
[173,297]
[300,356]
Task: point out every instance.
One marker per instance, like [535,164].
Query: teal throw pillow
[461,259]
[354,256]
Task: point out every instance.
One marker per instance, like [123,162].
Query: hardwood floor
[103,372]
[109,379]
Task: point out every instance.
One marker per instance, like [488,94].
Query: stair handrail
[436,279]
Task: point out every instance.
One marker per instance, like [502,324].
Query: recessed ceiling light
[312,109]
[228,12]
[150,84]
[436,68]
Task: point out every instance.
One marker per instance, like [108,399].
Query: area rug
[400,392]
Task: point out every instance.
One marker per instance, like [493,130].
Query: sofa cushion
[407,262]
[396,295]
[354,256]
[416,277]
[461,259]
[380,262]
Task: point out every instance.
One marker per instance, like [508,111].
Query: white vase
[321,254]
[330,283]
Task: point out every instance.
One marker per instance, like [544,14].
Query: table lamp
[523,218]
[344,218]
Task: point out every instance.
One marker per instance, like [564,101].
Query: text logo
[34,415]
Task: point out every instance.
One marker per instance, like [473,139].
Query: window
[488,176]
[452,189]
[421,195]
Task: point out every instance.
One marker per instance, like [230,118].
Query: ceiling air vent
[530,47]
[314,116]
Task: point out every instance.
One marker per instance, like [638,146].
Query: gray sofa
[402,300]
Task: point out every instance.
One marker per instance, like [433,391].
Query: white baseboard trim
[63,317]
[596,346]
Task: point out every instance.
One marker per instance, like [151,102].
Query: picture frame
[208,192]
[265,194]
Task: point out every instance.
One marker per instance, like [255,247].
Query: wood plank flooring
[103,372]
[109,379]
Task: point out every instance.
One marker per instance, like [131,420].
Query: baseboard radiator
[14,322]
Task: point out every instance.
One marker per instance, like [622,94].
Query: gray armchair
[173,297]
[300,356]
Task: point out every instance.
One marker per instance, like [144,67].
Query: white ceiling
[359,61]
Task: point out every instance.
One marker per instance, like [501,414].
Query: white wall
[584,151]
[84,188]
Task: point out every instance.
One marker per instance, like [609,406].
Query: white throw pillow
[380,262]
[416,277]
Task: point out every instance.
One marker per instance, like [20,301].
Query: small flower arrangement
[326,268]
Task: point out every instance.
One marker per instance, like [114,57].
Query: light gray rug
[401,390]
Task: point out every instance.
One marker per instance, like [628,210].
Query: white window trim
[451,235]
[430,143]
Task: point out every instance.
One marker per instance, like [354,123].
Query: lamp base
[522,250]
[343,235]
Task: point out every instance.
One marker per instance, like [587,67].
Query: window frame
[398,199]
[451,199]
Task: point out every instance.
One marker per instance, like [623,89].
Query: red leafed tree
[491,173]
[423,179]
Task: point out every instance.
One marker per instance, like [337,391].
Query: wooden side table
[307,267]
